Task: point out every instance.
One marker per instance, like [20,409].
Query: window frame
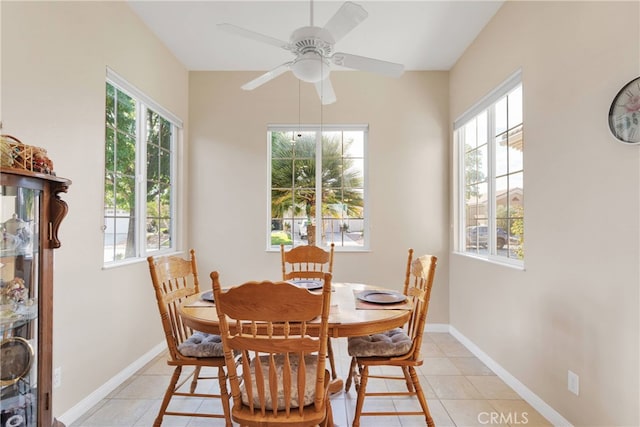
[320,130]
[144,105]
[486,104]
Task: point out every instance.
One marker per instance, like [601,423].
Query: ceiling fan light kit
[313,50]
[310,68]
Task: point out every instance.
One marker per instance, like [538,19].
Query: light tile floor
[460,390]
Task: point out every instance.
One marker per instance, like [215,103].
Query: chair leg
[332,362]
[167,396]
[420,395]
[328,419]
[350,375]
[194,382]
[407,379]
[364,377]
[224,395]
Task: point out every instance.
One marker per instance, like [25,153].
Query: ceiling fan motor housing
[313,45]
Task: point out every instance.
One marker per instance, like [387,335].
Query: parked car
[302,229]
[478,236]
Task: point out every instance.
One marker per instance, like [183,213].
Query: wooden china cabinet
[30,214]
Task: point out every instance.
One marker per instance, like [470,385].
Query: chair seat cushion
[311,363]
[389,343]
[202,345]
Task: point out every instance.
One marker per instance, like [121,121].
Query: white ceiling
[422,35]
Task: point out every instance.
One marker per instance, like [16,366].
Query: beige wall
[54,57]
[576,304]
[408,172]
[574,307]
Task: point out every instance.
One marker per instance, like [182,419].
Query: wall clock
[624,114]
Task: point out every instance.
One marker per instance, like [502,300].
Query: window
[490,146]
[310,205]
[140,169]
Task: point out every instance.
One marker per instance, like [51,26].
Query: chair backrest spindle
[407,276]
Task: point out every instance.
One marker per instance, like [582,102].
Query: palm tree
[293,177]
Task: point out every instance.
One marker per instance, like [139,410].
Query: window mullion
[462,211]
[141,182]
[491,181]
[269,186]
[318,168]
[173,183]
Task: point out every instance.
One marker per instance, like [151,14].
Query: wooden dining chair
[174,279]
[275,344]
[306,262]
[408,280]
[309,262]
[400,347]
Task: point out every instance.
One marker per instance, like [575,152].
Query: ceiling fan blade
[390,69]
[345,19]
[269,75]
[234,29]
[325,91]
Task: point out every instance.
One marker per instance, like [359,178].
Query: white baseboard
[94,398]
[530,397]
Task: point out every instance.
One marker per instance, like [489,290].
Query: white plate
[382,297]
[309,284]
[207,296]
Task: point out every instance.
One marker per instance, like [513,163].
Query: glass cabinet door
[19,308]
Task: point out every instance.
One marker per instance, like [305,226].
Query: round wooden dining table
[348,316]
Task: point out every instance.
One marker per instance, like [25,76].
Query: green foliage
[120,150]
[473,171]
[502,217]
[293,176]
[120,155]
[120,164]
[517,229]
[280,237]
[158,169]
[511,220]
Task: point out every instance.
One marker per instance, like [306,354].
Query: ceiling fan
[313,50]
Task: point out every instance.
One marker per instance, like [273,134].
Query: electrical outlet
[57,377]
[573,382]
